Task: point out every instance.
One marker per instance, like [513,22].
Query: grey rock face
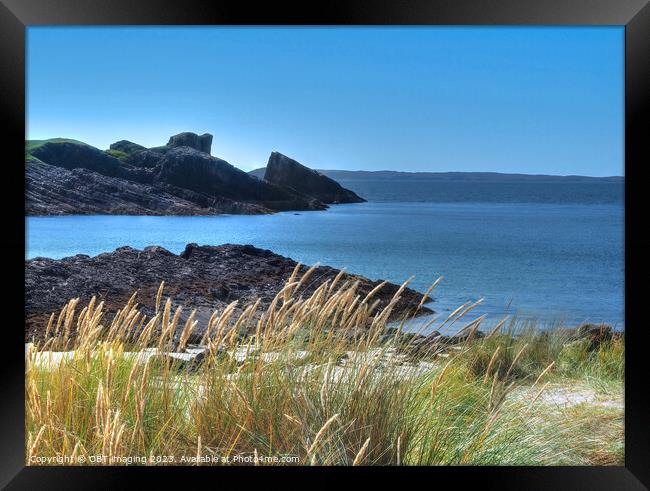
[188,168]
[126,146]
[52,190]
[145,158]
[284,171]
[202,143]
[77,155]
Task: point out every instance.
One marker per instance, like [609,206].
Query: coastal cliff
[65,176]
[52,190]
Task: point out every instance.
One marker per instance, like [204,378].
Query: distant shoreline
[455,176]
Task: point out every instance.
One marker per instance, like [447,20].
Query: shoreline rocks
[204,278]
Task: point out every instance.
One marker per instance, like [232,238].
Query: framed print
[383,239]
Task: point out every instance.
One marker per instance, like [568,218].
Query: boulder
[284,171]
[202,143]
[595,333]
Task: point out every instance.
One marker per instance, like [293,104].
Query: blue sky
[531,100]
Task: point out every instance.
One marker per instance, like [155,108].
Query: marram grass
[292,386]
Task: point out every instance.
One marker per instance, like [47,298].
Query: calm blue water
[432,190]
[548,259]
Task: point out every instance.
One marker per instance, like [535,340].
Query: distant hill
[362,175]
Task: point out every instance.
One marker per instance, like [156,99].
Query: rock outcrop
[52,190]
[127,147]
[596,334]
[178,178]
[284,171]
[145,158]
[204,278]
[202,143]
[187,168]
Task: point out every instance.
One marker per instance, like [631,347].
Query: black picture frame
[16,15]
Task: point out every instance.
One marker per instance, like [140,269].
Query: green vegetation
[292,381]
[117,154]
[30,159]
[32,145]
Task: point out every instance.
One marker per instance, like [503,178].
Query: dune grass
[291,385]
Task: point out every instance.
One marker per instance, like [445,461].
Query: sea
[542,253]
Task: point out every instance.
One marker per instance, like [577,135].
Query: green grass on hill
[117,154]
[31,145]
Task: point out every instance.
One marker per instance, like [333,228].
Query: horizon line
[462,172]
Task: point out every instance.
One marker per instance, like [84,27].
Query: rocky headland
[284,171]
[65,176]
[204,278]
